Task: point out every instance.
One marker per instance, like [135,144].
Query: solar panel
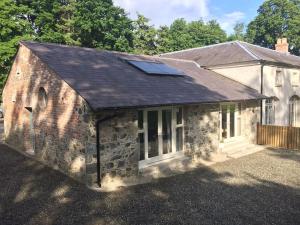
[155,68]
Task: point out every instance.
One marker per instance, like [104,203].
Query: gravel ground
[263,188]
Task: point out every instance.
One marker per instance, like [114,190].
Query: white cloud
[164,12]
[228,21]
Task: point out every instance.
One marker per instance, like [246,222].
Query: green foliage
[276,19]
[145,36]
[14,26]
[238,32]
[195,34]
[100,24]
[180,35]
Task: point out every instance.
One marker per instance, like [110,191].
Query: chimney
[282,45]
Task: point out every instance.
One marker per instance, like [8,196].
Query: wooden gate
[278,136]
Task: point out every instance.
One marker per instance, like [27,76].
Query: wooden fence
[278,136]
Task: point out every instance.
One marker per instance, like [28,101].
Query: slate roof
[233,52]
[106,80]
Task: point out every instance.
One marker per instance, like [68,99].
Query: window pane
[179,115]
[152,134]
[179,139]
[142,146]
[278,78]
[167,131]
[239,108]
[232,120]
[141,120]
[224,121]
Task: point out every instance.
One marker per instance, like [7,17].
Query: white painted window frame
[161,157]
[269,110]
[295,79]
[279,78]
[237,115]
[294,112]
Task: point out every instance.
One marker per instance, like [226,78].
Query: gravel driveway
[263,188]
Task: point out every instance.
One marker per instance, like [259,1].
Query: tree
[145,36]
[100,24]
[185,35]
[214,33]
[163,41]
[14,27]
[179,35]
[238,32]
[276,19]
[50,19]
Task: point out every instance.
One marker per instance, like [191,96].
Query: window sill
[160,159]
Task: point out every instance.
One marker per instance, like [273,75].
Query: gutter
[98,122]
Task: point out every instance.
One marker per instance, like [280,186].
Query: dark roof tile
[233,52]
[105,79]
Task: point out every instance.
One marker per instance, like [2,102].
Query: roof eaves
[261,97]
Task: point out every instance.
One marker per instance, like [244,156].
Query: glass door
[167,131]
[230,121]
[160,134]
[152,134]
[224,122]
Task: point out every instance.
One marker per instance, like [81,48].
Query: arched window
[270,105]
[294,110]
[42,98]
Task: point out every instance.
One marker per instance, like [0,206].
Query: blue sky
[163,12]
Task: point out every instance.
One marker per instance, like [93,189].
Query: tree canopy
[238,34]
[276,19]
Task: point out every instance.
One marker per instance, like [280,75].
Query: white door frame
[236,116]
[147,161]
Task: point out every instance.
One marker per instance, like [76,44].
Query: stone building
[94,114]
[274,73]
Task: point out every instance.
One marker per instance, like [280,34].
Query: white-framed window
[295,79]
[270,111]
[294,110]
[160,134]
[278,78]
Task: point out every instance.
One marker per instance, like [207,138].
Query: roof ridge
[87,48]
[60,45]
[240,43]
[272,50]
[202,47]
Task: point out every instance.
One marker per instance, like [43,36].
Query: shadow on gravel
[31,193]
[285,154]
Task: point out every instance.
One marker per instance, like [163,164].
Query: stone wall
[58,132]
[250,118]
[119,152]
[201,125]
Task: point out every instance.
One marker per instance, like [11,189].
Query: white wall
[283,93]
[249,74]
